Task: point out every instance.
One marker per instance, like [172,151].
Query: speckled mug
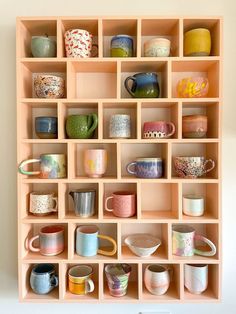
[42,203]
[192,167]
[49,86]
[120,126]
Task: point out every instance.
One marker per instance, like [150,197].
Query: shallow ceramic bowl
[190,87]
[49,86]
[142,244]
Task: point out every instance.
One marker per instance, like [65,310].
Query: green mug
[81,126]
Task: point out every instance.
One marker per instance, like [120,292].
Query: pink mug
[158,129]
[95,162]
[123,204]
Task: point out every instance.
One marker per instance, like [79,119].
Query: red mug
[123,204]
[158,129]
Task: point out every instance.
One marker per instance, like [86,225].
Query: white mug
[193,205]
[157,278]
[196,278]
[42,203]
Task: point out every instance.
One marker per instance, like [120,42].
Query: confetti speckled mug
[49,86]
[192,167]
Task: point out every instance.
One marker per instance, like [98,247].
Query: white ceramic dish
[142,244]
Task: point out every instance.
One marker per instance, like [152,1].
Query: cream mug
[42,203]
[193,205]
[196,278]
[157,278]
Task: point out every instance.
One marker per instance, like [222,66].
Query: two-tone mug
[122,46]
[157,278]
[123,204]
[194,126]
[146,168]
[80,279]
[42,203]
[193,205]
[43,278]
[196,277]
[158,129]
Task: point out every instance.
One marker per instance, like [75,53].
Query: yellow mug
[80,281]
[197,42]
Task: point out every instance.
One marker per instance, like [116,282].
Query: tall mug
[196,277]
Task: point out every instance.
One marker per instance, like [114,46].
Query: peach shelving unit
[96,85]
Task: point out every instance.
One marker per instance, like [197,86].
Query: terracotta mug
[42,203]
[123,204]
[158,129]
[95,162]
[194,126]
[196,278]
[157,279]
[192,167]
[80,279]
[183,242]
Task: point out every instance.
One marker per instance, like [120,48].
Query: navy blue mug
[43,278]
[46,127]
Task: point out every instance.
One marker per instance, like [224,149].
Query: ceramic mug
[79,43]
[52,166]
[46,127]
[49,86]
[80,279]
[194,126]
[157,47]
[197,42]
[157,278]
[95,162]
[42,203]
[122,46]
[190,87]
[193,205]
[196,278]
[81,126]
[146,168]
[183,242]
[192,167]
[144,85]
[43,278]
[118,278]
[120,126]
[84,202]
[43,47]
[51,241]
[123,204]
[87,242]
[158,129]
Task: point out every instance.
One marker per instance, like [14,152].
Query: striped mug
[117,278]
[80,279]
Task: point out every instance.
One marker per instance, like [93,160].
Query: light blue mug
[43,278]
[87,241]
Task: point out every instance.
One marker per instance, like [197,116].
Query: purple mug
[158,129]
[146,168]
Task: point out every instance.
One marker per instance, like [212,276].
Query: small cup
[158,129]
[157,279]
[146,168]
[95,162]
[122,46]
[197,42]
[123,204]
[120,126]
[157,47]
[80,279]
[43,47]
[193,205]
[49,86]
[46,127]
[118,278]
[194,126]
[196,278]
[42,203]
[43,278]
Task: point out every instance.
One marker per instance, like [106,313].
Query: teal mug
[81,126]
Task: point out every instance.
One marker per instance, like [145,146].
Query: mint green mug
[81,126]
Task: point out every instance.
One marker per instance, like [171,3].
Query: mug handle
[132,78]
[54,281]
[31,247]
[89,285]
[211,167]
[26,162]
[92,117]
[212,252]
[130,165]
[106,204]
[54,209]
[94,52]
[107,253]
[172,127]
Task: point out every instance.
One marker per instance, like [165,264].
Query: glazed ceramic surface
[144,85]
[122,46]
[51,241]
[42,203]
[197,42]
[80,279]
[193,205]
[84,202]
[142,244]
[43,47]
[157,47]
[46,127]
[120,126]
[183,242]
[87,242]
[192,167]
[81,126]
[194,126]
[190,87]
[95,162]
[49,86]
[123,204]
[146,168]
[118,278]
[158,129]
[52,166]
[43,278]
[157,279]
[196,278]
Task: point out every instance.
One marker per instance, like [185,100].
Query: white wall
[9,9]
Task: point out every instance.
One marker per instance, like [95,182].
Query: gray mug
[84,202]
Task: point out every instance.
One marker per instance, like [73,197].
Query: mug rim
[158,38]
[158,121]
[124,193]
[193,197]
[149,73]
[197,265]
[120,115]
[183,229]
[44,37]
[126,265]
[49,75]
[73,268]
[43,273]
[204,116]
[188,157]
[58,228]
[41,193]
[148,159]
[54,154]
[123,35]
[157,269]
[83,190]
[78,229]
[77,29]
[46,117]
[197,29]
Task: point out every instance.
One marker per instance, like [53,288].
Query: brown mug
[194,126]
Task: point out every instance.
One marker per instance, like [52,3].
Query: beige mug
[42,203]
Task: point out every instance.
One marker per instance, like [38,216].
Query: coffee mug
[196,277]
[144,85]
[122,46]
[81,126]
[194,126]
[117,278]
[49,86]
[87,242]
[146,168]
[46,127]
[51,241]
[42,203]
[52,166]
[190,87]
[80,279]
[192,167]
[123,204]
[120,126]
[95,162]
[183,242]
[157,278]
[79,43]
[197,42]
[193,205]
[43,278]
[84,202]
[158,129]
[43,47]
[157,47]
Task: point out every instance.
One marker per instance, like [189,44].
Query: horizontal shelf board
[207,295]
[170,295]
[196,258]
[53,296]
[90,297]
[158,214]
[38,258]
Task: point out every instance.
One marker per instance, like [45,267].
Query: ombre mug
[43,278]
[196,278]
[42,203]
[157,278]
[52,166]
[51,241]
[146,168]
[80,279]
[123,204]
[183,242]
[87,242]
[95,162]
